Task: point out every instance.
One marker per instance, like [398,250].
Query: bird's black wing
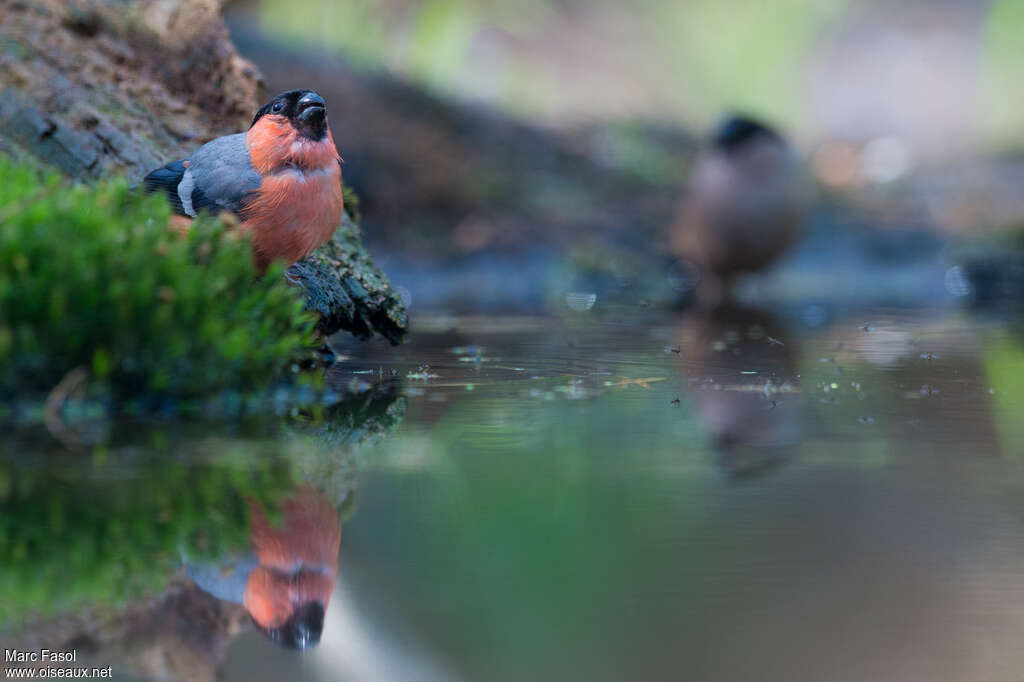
[166,180]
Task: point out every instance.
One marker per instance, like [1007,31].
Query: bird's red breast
[298,560]
[299,203]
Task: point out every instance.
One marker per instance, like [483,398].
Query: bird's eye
[277,107]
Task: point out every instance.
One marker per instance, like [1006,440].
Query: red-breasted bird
[746,204]
[282,179]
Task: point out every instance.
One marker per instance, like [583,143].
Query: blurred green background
[943,74]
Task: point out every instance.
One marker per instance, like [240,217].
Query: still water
[597,495]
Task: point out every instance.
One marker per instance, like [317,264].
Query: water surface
[609,494]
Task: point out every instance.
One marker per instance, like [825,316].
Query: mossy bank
[92,283]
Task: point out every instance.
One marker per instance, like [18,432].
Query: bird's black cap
[302,630]
[304,108]
[736,131]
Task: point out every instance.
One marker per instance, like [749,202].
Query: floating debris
[866,420]
[574,389]
[673,349]
[675,402]
[772,341]
[476,359]
[580,302]
[422,373]
[642,383]
[749,371]
[930,356]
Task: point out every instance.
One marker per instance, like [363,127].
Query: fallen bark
[347,290]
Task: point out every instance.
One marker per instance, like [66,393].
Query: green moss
[91,277]
[351,204]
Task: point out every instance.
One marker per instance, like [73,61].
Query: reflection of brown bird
[745,207]
[287,582]
[741,371]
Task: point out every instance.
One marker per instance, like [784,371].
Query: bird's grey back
[222,171]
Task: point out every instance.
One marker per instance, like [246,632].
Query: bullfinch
[282,178]
[746,205]
[285,582]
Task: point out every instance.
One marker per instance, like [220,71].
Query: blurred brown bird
[746,205]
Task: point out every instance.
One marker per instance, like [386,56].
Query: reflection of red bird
[288,591]
[286,582]
[282,178]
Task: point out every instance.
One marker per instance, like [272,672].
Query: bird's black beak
[311,116]
[302,630]
[311,108]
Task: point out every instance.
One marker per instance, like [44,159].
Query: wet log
[347,290]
